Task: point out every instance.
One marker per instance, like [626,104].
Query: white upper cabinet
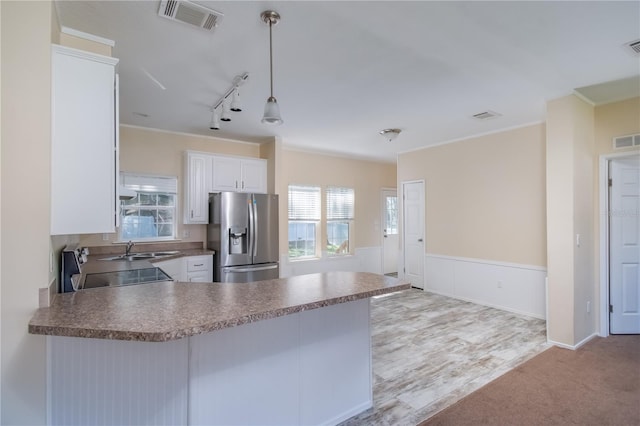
[205,173]
[83,142]
[239,174]
[197,183]
[254,176]
[227,174]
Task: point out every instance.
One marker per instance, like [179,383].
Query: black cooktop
[122,278]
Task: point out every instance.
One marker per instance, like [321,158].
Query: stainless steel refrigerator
[243,231]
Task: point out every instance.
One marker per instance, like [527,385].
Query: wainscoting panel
[512,287]
[365,259]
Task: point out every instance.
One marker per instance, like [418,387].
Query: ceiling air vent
[626,141]
[634,47]
[486,115]
[190,13]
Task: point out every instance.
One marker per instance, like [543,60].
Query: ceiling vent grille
[634,47]
[190,13]
[485,115]
[626,141]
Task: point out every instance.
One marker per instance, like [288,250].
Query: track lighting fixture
[271,108]
[221,109]
[215,120]
[235,101]
[225,112]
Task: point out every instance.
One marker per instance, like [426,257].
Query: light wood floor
[429,351]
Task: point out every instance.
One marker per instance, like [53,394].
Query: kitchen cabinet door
[83,142]
[200,268]
[254,176]
[197,183]
[227,174]
[239,174]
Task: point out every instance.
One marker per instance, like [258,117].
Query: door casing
[603,186]
[403,233]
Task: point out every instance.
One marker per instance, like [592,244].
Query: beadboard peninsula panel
[113,382]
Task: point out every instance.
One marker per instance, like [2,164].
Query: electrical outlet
[105,237]
[589,307]
[186,233]
[499,284]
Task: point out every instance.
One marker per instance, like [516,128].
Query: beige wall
[82,44]
[570,147]
[27,29]
[367,178]
[156,152]
[484,196]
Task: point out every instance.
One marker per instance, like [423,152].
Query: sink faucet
[130,245]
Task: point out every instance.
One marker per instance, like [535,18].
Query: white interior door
[390,243]
[413,232]
[624,246]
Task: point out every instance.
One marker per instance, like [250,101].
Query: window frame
[150,185]
[345,217]
[308,217]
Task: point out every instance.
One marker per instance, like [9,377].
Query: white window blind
[340,203]
[304,202]
[145,183]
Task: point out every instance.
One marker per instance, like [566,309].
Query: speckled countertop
[164,311]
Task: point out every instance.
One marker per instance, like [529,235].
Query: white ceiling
[345,70]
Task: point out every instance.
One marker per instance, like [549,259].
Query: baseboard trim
[350,413]
[573,347]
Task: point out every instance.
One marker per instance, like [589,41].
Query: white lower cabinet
[200,268]
[190,268]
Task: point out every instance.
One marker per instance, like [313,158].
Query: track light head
[235,102]
[215,121]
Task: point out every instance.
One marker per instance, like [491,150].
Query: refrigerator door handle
[254,253]
[252,228]
[260,268]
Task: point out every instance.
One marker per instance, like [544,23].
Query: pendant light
[271,108]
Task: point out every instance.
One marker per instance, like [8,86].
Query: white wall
[25,154]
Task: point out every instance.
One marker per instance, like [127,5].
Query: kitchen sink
[142,256]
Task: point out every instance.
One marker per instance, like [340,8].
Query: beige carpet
[598,384]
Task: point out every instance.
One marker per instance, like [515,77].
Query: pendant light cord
[271,57]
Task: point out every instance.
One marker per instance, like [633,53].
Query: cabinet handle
[191,214]
[236,184]
[198,264]
[242,184]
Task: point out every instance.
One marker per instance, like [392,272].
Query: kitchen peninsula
[285,351]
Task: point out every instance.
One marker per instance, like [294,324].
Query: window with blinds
[340,214]
[304,221]
[151,214]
